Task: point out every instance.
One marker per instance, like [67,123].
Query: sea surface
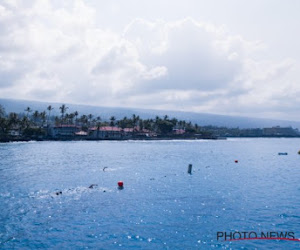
[161,205]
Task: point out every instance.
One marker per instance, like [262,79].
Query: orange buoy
[120,185]
[236,161]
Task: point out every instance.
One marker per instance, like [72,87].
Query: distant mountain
[202,119]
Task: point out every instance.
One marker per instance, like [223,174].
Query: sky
[227,57]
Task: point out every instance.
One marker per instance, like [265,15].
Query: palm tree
[98,128]
[49,108]
[35,115]
[63,108]
[90,116]
[3,127]
[180,124]
[71,117]
[43,117]
[67,117]
[112,121]
[56,120]
[76,115]
[2,112]
[183,124]
[28,110]
[141,125]
[156,122]
[135,119]
[174,121]
[25,122]
[83,119]
[13,119]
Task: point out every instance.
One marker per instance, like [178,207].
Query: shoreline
[139,139]
[127,139]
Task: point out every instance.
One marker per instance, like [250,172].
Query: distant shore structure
[35,125]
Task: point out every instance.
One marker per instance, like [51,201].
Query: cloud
[190,51]
[56,51]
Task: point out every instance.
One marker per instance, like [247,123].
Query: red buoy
[236,161]
[120,185]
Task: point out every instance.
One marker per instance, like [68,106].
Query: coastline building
[81,134]
[145,133]
[279,131]
[177,131]
[64,130]
[15,131]
[254,132]
[107,132]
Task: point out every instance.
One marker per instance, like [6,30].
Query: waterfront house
[14,131]
[178,131]
[145,133]
[138,132]
[128,132]
[279,131]
[64,131]
[107,132]
[81,134]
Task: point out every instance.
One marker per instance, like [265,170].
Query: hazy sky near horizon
[226,57]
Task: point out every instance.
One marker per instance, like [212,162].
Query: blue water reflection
[161,206]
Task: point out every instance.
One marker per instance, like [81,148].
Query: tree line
[32,122]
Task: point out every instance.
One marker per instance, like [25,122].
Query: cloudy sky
[226,57]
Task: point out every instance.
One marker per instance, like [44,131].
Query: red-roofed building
[128,130]
[147,133]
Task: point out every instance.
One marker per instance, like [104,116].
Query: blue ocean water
[161,206]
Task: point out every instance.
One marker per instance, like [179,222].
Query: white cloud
[57,52]
[190,52]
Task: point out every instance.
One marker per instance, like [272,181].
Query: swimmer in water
[93,186]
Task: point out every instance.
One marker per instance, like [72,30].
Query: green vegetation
[35,125]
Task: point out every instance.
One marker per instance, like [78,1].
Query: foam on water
[69,192]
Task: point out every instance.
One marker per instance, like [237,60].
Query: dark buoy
[299,152]
[236,161]
[120,185]
[190,169]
